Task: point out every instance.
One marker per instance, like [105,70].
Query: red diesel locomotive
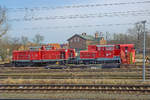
[119,53]
[42,55]
[95,54]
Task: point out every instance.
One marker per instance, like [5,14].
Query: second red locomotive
[120,53]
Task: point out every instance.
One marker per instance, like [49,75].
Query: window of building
[78,39]
[74,39]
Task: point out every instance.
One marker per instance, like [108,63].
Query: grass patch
[72,81]
[74,95]
[70,73]
[75,75]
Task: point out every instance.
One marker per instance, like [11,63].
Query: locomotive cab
[127,53]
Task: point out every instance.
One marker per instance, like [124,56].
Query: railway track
[71,70]
[2,66]
[124,68]
[70,75]
[72,66]
[73,87]
[42,70]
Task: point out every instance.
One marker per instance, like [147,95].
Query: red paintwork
[50,54]
[92,47]
[35,55]
[124,51]
[43,54]
[105,52]
[88,54]
[71,53]
[54,54]
[21,55]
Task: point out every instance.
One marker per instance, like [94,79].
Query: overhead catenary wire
[83,16]
[77,26]
[80,26]
[76,6]
[30,17]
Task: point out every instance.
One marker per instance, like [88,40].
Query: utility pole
[144,22]
[107,36]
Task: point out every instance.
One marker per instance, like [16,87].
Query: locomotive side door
[101,52]
[109,51]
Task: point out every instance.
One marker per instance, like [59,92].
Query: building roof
[86,37]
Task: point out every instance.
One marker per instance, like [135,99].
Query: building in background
[81,41]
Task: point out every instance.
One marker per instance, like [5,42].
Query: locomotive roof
[104,45]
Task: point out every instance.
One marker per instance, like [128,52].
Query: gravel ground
[74,95]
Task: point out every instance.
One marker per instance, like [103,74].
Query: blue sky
[60,35]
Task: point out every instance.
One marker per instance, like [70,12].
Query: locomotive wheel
[86,62]
[62,63]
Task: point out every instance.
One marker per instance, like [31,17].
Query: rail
[73,87]
[71,66]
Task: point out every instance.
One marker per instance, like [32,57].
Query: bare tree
[24,40]
[3,30]
[134,35]
[4,48]
[137,35]
[15,42]
[3,22]
[38,39]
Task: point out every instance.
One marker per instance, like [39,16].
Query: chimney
[96,35]
[84,34]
